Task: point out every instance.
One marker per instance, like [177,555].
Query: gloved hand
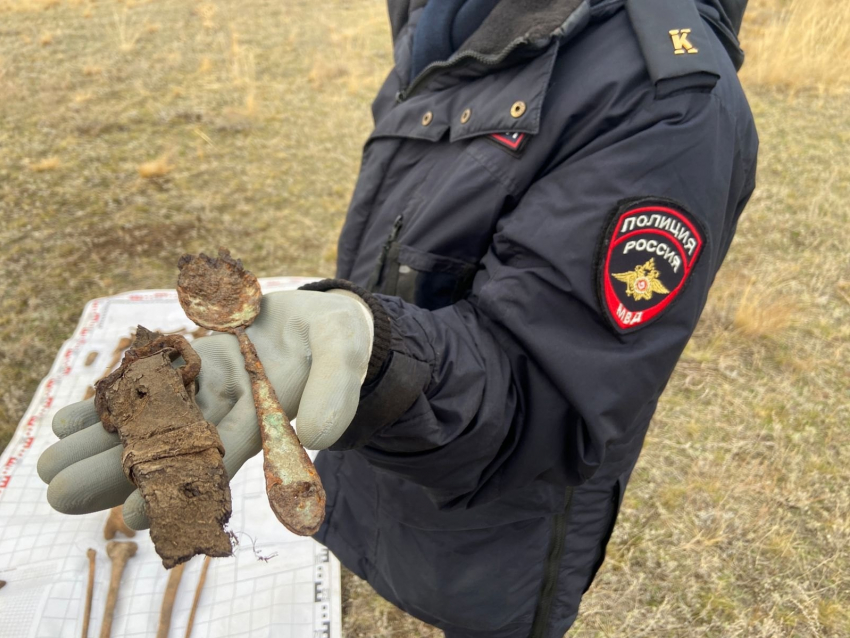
[315,347]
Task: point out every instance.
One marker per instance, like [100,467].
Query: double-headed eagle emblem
[642,281]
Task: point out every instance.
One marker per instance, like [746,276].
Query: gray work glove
[315,347]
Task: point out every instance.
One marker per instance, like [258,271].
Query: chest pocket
[451,169]
[425,279]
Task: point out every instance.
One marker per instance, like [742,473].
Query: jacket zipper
[393,234]
[550,574]
[379,266]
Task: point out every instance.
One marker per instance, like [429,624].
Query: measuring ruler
[326,607]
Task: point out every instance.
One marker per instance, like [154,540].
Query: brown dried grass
[763,313]
[159,167]
[798,45]
[47,164]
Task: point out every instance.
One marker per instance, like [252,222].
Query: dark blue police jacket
[541,217]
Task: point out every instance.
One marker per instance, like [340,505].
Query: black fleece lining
[528,19]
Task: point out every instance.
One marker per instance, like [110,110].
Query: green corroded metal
[219,294]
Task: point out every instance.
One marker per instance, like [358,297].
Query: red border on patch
[612,301]
[511,144]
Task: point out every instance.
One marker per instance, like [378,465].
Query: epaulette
[676,45]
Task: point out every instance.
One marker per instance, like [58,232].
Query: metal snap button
[464,117]
[426,119]
[518,109]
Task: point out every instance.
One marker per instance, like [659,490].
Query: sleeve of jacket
[530,358]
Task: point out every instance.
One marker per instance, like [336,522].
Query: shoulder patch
[645,259]
[676,44]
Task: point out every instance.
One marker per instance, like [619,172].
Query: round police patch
[646,256]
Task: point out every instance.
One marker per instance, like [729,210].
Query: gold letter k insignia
[681,44]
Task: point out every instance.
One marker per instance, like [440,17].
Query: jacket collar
[489,98]
[514,30]
[486,65]
[518,22]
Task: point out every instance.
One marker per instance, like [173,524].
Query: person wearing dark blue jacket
[548,193]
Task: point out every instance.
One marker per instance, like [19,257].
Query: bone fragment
[174,576]
[115,523]
[119,553]
[89,591]
[201,582]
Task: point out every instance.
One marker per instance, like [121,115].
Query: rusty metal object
[219,294]
[171,453]
[123,344]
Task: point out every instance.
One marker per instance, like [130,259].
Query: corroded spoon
[219,294]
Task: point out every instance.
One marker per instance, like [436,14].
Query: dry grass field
[133,131]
